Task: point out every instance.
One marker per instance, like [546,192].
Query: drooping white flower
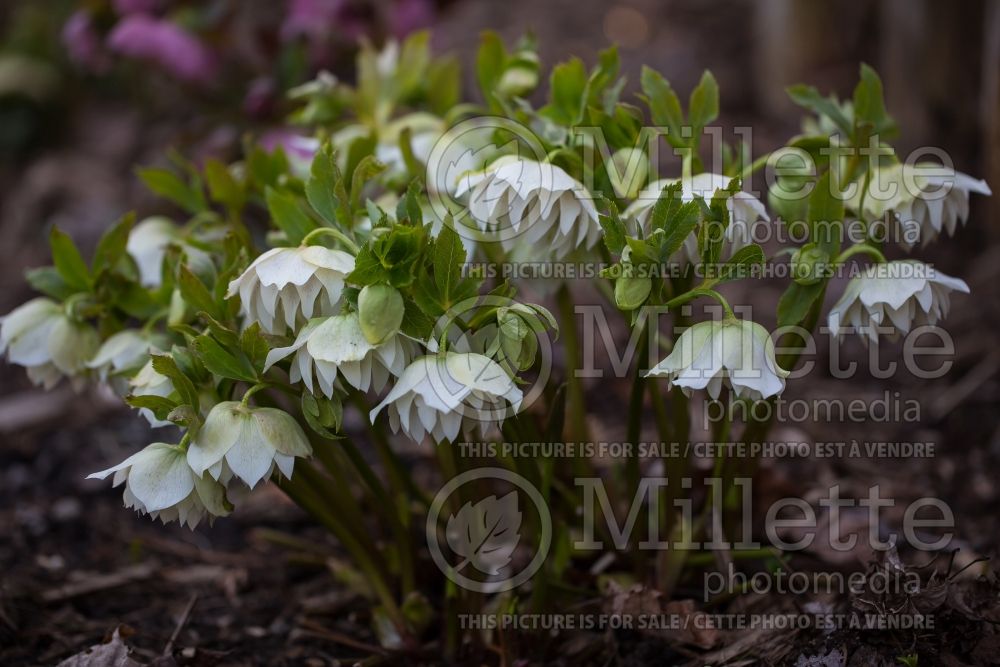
[902,293]
[247,442]
[41,337]
[123,352]
[147,244]
[337,345]
[924,200]
[148,382]
[159,482]
[287,286]
[745,211]
[523,203]
[444,395]
[737,353]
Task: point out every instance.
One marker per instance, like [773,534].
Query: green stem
[302,492]
[335,233]
[861,249]
[577,412]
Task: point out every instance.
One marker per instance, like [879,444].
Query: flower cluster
[331,271]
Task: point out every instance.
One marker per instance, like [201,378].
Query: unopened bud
[380,312]
[808,264]
[631,292]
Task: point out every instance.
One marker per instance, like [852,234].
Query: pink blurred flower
[317,20]
[83,44]
[125,7]
[299,149]
[169,46]
[405,16]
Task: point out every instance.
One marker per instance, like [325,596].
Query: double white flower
[337,345]
[745,211]
[444,395]
[159,482]
[247,442]
[903,293]
[121,353]
[737,353]
[925,200]
[287,286]
[528,204]
[41,337]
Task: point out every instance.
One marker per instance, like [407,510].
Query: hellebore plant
[284,297]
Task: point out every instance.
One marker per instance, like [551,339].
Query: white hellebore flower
[523,203]
[745,211]
[148,382]
[247,442]
[337,345]
[925,200]
[147,244]
[159,482]
[287,286]
[124,351]
[903,293]
[709,354]
[443,395]
[41,337]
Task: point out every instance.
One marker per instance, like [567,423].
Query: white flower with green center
[121,354]
[903,294]
[731,352]
[159,482]
[337,345]
[288,286]
[746,212]
[445,395]
[523,203]
[147,245]
[148,382]
[41,337]
[924,199]
[247,442]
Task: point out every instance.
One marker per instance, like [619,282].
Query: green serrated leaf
[664,105]
[68,261]
[368,168]
[220,361]
[320,187]
[826,216]
[288,215]
[703,107]
[111,248]
[195,292]
[449,255]
[794,304]
[164,364]
[160,406]
[169,185]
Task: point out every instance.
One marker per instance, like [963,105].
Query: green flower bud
[380,312]
[517,339]
[628,169]
[631,291]
[808,264]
